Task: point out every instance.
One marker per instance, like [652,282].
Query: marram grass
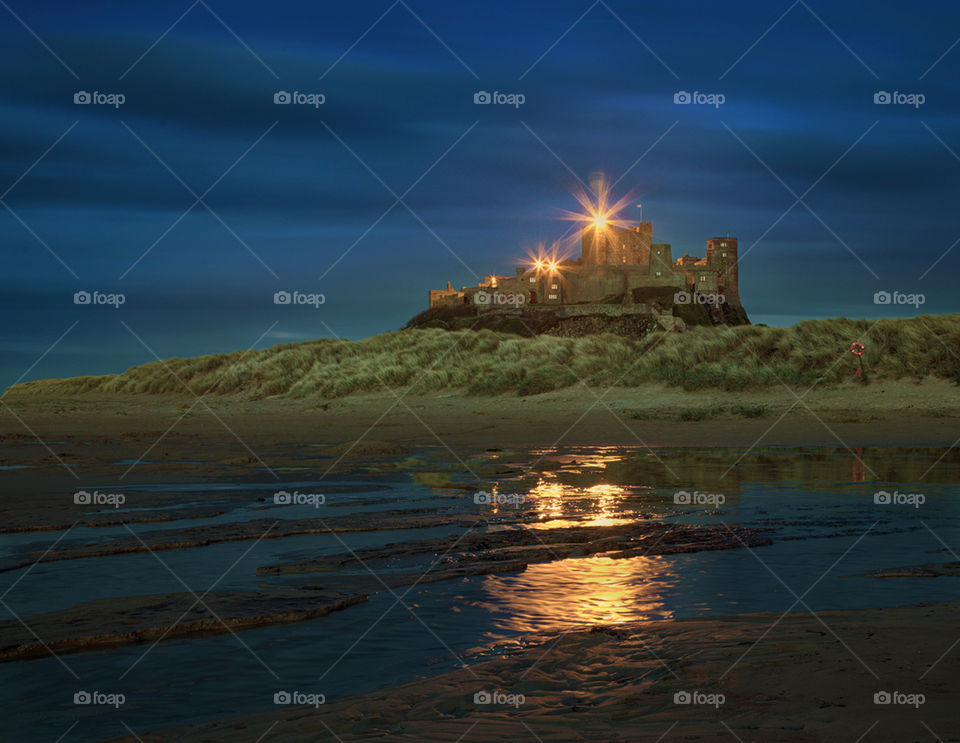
[487,363]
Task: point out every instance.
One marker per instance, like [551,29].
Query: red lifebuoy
[857,348]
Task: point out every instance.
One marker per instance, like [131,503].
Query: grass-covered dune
[486,362]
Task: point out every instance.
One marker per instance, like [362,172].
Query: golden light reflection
[606,503]
[579,591]
[557,504]
[587,590]
[547,499]
[596,456]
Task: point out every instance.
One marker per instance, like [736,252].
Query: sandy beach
[901,412]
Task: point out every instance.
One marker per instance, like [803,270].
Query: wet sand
[810,679]
[108,623]
[129,620]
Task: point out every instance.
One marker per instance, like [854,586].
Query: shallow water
[819,506]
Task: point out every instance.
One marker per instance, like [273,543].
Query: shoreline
[56,448]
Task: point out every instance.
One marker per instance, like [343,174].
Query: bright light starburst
[545,259]
[599,211]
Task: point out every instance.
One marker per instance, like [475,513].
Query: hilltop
[650,310]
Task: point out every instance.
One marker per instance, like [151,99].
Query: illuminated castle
[618,260]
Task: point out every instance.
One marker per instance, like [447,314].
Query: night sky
[297,197]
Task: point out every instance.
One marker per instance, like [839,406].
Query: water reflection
[575,473]
[612,486]
[557,504]
[858,468]
[586,590]
[590,457]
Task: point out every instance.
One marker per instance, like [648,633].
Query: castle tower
[640,240]
[616,246]
[722,257]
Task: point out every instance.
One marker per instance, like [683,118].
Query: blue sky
[300,196]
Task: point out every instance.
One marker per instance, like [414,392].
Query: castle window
[532,279]
[552,296]
[703,277]
[723,255]
[723,245]
[554,286]
[658,274]
[658,252]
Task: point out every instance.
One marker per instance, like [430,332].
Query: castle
[615,262]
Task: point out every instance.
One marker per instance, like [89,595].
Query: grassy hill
[487,362]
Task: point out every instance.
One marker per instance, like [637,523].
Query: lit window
[658,274]
[552,296]
[723,245]
[723,255]
[658,252]
[554,286]
[532,280]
